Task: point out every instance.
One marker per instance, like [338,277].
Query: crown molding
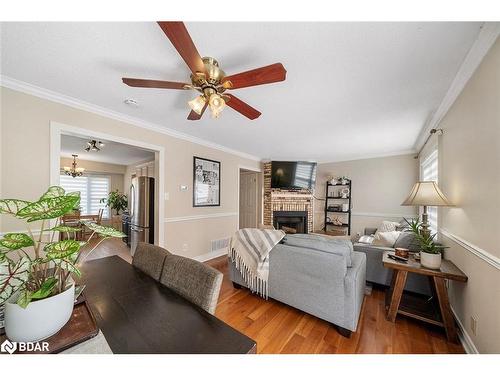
[371,156]
[53,96]
[486,38]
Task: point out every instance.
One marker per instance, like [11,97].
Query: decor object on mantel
[426,193]
[74,171]
[338,189]
[430,252]
[206,182]
[94,145]
[208,79]
[37,289]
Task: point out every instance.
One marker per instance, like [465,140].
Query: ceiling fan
[208,79]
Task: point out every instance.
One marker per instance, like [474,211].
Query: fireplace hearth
[291,221]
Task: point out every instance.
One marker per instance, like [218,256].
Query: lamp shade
[426,193]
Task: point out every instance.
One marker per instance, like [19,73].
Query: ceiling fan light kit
[209,79]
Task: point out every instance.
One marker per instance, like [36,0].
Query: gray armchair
[149,259]
[193,280]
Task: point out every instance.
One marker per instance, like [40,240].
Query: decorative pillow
[407,240]
[387,226]
[337,246]
[403,225]
[386,239]
[366,239]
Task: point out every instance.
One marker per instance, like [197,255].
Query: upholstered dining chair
[149,259]
[193,280]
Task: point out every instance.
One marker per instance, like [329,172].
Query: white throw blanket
[249,251]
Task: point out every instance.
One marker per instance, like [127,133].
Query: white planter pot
[41,319]
[432,261]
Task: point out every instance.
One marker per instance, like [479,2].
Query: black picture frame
[206,182]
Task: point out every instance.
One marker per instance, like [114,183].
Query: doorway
[249,199]
[63,135]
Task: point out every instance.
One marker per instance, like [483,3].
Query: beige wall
[379,185]
[25,167]
[469,173]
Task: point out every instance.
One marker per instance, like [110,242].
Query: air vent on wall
[220,244]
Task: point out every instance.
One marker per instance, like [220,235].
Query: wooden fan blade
[260,76]
[194,116]
[179,36]
[242,107]
[151,83]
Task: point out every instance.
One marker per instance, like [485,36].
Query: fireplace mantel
[285,200]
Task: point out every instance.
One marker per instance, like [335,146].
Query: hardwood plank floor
[278,328]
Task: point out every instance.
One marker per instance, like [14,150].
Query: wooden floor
[278,328]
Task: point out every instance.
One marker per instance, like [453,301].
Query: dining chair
[193,280]
[71,220]
[99,216]
[149,259]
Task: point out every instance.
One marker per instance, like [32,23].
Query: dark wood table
[416,307]
[139,315]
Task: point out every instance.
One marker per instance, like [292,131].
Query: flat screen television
[293,175]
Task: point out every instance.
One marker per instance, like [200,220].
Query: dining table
[137,314]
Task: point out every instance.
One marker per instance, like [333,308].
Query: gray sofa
[378,274]
[323,277]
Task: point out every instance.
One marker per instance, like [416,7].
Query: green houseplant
[116,201]
[36,269]
[430,251]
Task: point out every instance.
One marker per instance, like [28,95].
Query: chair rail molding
[382,214]
[199,217]
[476,250]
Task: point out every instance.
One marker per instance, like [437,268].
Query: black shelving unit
[339,200]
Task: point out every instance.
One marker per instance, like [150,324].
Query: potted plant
[116,201]
[430,251]
[36,269]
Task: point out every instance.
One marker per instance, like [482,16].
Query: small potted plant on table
[430,251]
[36,270]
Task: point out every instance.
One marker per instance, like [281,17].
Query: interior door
[248,200]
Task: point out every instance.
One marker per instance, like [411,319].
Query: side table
[436,311]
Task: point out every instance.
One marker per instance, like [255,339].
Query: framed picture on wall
[206,182]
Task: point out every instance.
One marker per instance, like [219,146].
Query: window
[429,172]
[92,189]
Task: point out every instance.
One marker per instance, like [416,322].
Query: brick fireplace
[287,204]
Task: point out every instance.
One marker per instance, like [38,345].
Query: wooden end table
[436,310]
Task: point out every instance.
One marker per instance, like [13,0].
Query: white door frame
[253,169]
[57,129]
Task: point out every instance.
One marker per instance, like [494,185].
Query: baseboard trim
[198,217]
[476,250]
[210,255]
[464,337]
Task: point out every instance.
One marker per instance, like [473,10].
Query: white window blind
[429,172]
[92,189]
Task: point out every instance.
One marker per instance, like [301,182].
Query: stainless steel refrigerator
[141,211]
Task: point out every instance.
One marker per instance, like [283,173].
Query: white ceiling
[352,89]
[112,152]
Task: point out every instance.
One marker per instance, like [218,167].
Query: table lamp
[426,193]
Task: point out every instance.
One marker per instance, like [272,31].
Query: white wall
[379,186]
[25,168]
[469,174]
